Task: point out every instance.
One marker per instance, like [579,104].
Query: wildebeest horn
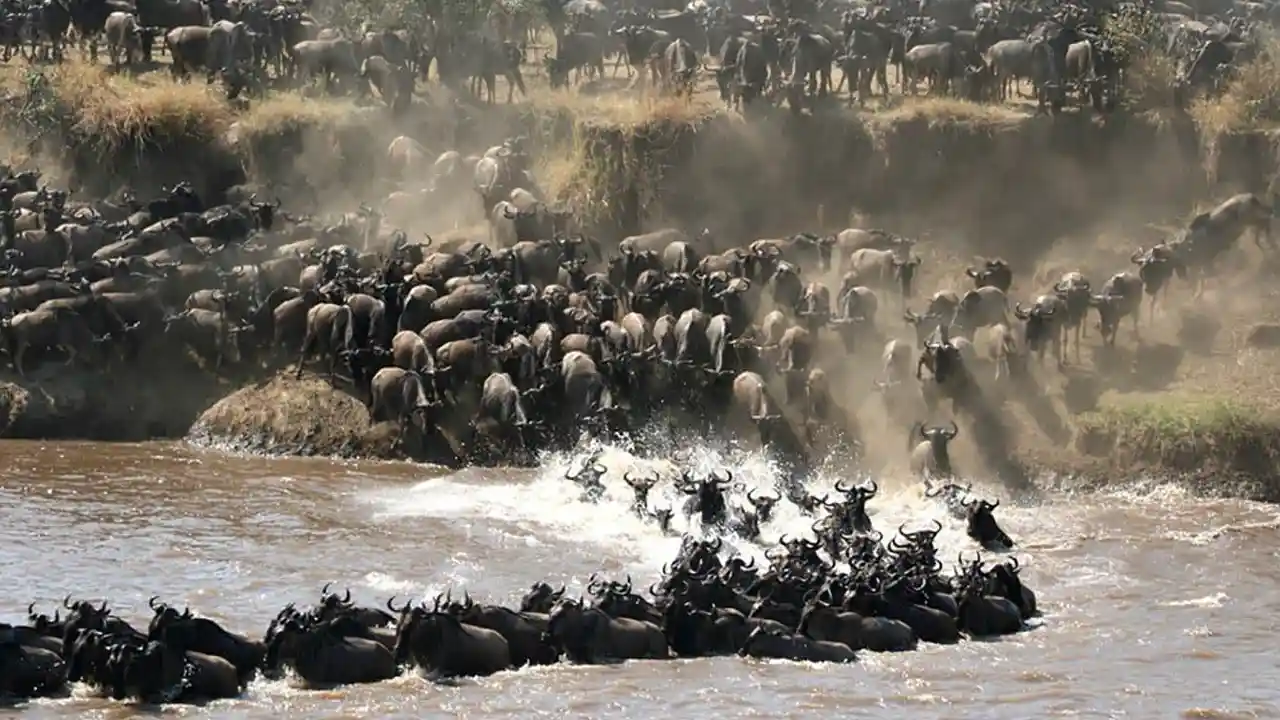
[1014,562]
[325,590]
[1137,257]
[875,488]
[840,486]
[151,602]
[560,592]
[994,505]
[466,598]
[953,431]
[391,606]
[31,609]
[66,602]
[347,597]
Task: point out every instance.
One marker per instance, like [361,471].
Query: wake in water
[549,506]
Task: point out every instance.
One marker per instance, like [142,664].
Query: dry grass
[1251,100]
[939,112]
[290,110]
[111,110]
[624,108]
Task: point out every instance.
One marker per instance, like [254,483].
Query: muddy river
[1156,604]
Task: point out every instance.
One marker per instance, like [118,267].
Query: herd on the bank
[493,352]
[778,50]
[823,599]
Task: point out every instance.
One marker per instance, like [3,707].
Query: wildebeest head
[1156,266]
[663,516]
[86,653]
[157,672]
[83,616]
[852,513]
[1074,290]
[993,273]
[588,478]
[166,616]
[788,289]
[905,270]
[1111,310]
[982,525]
[943,360]
[419,628]
[565,623]
[763,260]
[45,625]
[264,213]
[1039,320]
[939,438]
[925,325]
[708,494]
[641,486]
[331,605]
[1004,582]
[540,598]
[763,504]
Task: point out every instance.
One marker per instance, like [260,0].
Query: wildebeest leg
[306,350]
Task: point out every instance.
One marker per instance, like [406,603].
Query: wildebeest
[982,527]
[587,635]
[930,457]
[1121,296]
[443,645]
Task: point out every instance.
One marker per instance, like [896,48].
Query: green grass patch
[1186,434]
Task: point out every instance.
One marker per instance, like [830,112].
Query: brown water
[1156,604]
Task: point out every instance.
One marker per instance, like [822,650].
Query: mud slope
[307,416]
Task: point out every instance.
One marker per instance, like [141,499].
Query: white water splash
[542,506]
[1216,600]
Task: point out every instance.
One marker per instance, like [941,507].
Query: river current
[1156,604]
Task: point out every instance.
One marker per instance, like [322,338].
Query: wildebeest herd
[485,353]
[821,599]
[764,49]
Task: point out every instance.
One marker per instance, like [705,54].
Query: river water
[1156,604]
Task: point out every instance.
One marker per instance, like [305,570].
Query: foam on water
[542,506]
